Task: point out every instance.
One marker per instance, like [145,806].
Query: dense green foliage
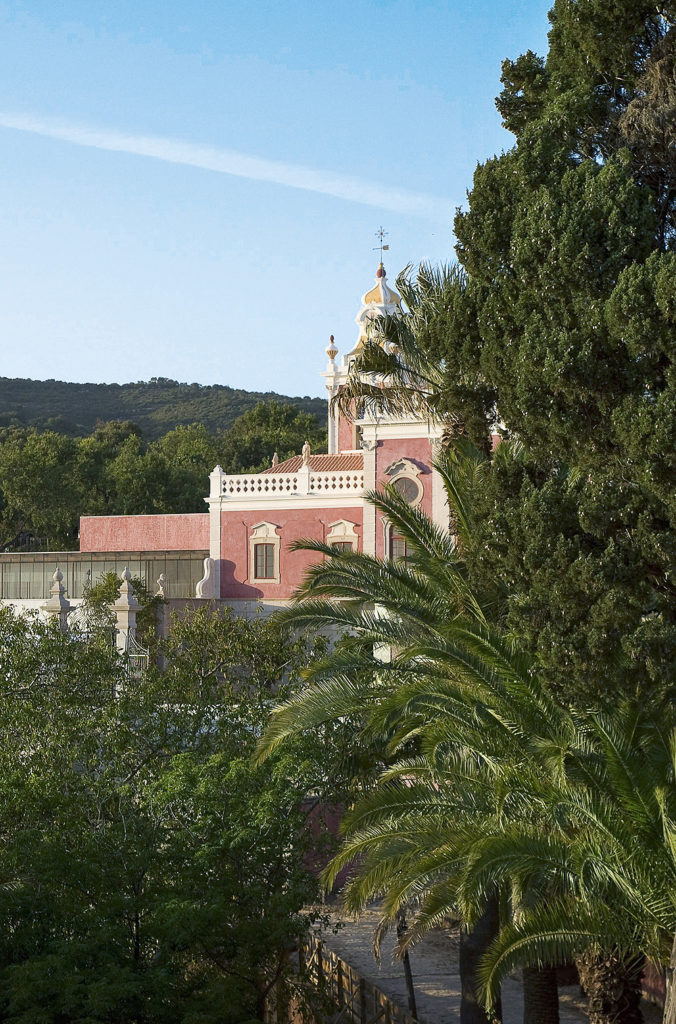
[150,872]
[568,250]
[557,328]
[265,430]
[48,480]
[96,609]
[489,785]
[155,406]
[560,320]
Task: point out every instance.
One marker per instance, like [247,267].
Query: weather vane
[381,235]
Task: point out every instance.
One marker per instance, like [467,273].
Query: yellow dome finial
[380,301]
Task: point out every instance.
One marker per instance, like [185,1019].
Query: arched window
[404,478]
[409,488]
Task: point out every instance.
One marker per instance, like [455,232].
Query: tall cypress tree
[569,249]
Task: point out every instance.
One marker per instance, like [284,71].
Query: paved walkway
[434,964]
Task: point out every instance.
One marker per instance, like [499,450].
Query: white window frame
[264,533]
[404,469]
[342,532]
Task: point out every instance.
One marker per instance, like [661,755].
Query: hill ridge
[155,406]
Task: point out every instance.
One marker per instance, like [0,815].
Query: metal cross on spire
[381,235]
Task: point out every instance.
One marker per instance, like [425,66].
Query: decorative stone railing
[304,482]
[348,482]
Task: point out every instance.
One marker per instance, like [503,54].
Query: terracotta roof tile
[321,464]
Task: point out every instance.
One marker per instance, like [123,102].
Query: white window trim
[343,531]
[264,533]
[404,469]
[387,538]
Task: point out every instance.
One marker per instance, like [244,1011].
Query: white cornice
[274,503]
[399,430]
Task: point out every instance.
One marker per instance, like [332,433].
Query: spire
[381,300]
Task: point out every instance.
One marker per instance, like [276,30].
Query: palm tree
[407,356]
[402,367]
[609,820]
[583,838]
[484,756]
[423,608]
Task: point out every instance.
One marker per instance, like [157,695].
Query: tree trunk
[540,996]
[408,974]
[669,1016]
[473,945]
[613,986]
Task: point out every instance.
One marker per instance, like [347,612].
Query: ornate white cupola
[380,301]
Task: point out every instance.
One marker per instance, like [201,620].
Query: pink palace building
[238,550]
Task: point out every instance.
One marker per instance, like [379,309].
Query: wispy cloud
[227,161]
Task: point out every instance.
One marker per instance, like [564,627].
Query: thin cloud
[227,161]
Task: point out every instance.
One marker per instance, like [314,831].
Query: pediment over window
[404,478]
[264,553]
[263,531]
[342,536]
[404,467]
[342,529]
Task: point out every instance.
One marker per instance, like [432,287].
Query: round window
[408,488]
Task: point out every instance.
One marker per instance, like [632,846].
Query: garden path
[434,964]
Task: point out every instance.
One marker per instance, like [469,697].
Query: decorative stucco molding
[341,532]
[207,586]
[264,533]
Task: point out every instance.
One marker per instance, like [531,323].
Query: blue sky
[191,189]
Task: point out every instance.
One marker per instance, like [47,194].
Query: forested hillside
[155,406]
[48,480]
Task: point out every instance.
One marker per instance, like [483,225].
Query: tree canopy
[150,871]
[48,480]
[155,406]
[560,322]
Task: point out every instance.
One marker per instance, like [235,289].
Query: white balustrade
[262,485]
[345,483]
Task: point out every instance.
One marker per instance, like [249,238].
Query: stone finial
[332,350]
[58,603]
[275,461]
[127,598]
[125,609]
[306,451]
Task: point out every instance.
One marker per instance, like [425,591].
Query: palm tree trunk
[540,996]
[408,974]
[613,986]
[670,1001]
[473,945]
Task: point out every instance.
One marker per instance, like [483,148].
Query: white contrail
[227,161]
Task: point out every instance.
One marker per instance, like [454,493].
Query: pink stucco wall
[419,451]
[292,524]
[345,434]
[145,533]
